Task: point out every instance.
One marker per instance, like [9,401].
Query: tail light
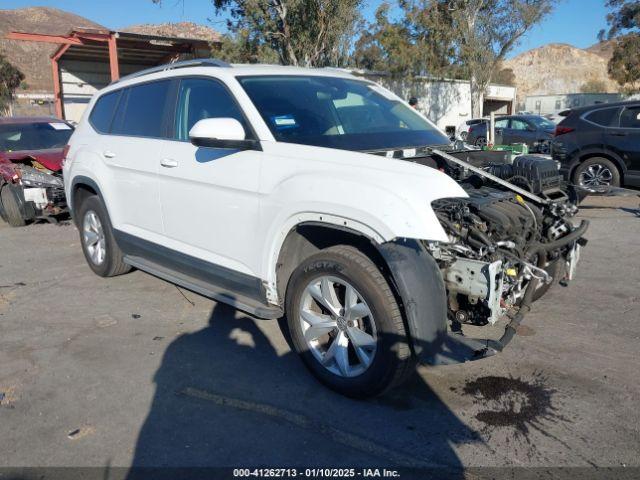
[560,130]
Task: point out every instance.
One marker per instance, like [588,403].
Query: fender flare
[419,284]
[77,182]
[578,155]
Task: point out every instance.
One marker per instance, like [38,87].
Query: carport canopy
[121,51]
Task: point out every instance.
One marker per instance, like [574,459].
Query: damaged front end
[508,242]
[37,191]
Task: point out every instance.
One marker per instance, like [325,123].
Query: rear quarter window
[102,113]
[603,117]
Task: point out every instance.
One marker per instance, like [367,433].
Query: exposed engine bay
[509,240]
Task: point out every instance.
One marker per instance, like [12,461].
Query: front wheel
[481,142]
[346,324]
[11,207]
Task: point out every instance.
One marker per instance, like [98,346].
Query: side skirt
[241,291]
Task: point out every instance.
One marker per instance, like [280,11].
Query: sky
[575,22]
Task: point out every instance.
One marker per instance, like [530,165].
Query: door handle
[168,163]
[108,154]
[619,134]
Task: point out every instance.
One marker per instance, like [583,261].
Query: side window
[200,98]
[517,124]
[503,123]
[143,110]
[103,111]
[603,117]
[630,117]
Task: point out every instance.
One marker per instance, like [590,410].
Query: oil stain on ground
[513,402]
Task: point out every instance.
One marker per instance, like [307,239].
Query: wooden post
[113,58]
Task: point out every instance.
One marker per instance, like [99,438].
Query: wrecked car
[31,154]
[321,197]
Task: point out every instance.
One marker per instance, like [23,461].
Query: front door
[209,196]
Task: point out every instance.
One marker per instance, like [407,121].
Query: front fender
[419,284]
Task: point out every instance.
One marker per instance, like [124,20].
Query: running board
[246,304]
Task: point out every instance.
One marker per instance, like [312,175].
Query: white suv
[283,190]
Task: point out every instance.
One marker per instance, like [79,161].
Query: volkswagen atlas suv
[322,197]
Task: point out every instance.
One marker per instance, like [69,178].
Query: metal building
[88,60]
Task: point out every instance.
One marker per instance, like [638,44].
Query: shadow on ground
[225,397]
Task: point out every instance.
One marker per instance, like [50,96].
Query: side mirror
[221,133]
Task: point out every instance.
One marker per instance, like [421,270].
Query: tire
[463,136]
[596,172]
[556,270]
[99,234]
[11,208]
[480,142]
[386,349]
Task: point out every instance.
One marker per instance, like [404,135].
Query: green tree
[624,27]
[10,79]
[485,32]
[593,86]
[300,32]
[456,38]
[624,65]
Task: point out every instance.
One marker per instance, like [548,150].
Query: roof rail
[196,62]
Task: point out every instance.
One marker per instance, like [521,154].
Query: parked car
[322,196]
[31,153]
[599,146]
[463,129]
[534,130]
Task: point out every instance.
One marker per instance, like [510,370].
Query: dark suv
[534,130]
[599,146]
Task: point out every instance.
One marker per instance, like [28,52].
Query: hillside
[560,68]
[32,58]
[180,30]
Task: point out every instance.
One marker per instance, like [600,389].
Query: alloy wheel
[596,175]
[93,237]
[338,326]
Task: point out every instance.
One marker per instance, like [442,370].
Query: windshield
[337,113]
[34,136]
[543,123]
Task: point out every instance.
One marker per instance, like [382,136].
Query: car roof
[605,105]
[25,120]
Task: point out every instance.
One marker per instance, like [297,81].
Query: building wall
[550,104]
[447,103]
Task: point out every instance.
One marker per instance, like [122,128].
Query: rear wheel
[11,208]
[98,244]
[346,324]
[597,173]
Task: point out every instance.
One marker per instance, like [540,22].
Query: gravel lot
[132,371]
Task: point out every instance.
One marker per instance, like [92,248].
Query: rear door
[625,138]
[209,196]
[132,153]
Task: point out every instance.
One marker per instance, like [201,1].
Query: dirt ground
[132,371]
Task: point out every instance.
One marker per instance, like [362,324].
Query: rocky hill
[32,58]
[560,68]
[179,29]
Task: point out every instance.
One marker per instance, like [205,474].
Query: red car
[31,154]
